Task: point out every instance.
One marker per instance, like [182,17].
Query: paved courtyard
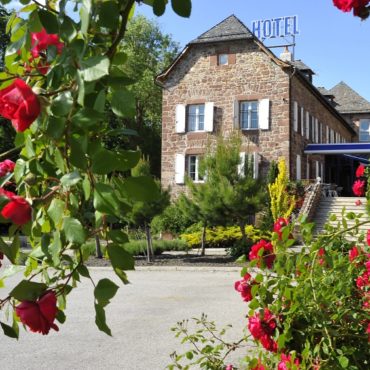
[140,316]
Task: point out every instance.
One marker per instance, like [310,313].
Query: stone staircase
[334,205]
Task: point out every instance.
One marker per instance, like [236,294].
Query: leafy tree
[148,51]
[143,212]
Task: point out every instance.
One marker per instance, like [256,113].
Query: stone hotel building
[227,80]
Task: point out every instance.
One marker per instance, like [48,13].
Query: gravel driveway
[140,317]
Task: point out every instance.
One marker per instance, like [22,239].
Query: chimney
[286,55]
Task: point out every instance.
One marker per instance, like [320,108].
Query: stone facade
[251,74]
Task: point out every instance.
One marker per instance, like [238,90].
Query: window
[195,117]
[248,115]
[193,168]
[222,59]
[364,130]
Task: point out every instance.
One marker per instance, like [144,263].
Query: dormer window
[222,59]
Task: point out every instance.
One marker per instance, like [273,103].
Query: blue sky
[335,45]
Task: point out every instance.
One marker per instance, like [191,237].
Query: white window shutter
[264,114]
[236,114]
[208,117]
[241,165]
[295,116]
[180,118]
[316,130]
[327,135]
[307,125]
[256,163]
[302,121]
[180,169]
[298,168]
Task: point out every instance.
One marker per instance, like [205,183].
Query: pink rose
[368,237]
[19,104]
[18,210]
[39,316]
[287,362]
[358,202]
[268,256]
[358,188]
[6,167]
[244,287]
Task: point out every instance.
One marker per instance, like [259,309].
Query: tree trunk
[242,230]
[149,245]
[99,254]
[203,250]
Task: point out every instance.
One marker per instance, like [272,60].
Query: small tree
[282,203]
[143,212]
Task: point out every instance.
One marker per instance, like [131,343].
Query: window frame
[364,120]
[197,178]
[197,116]
[219,56]
[249,115]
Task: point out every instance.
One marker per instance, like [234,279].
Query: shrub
[221,237]
[138,247]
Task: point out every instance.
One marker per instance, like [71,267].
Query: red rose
[360,170]
[268,256]
[19,104]
[40,41]
[6,167]
[279,224]
[259,366]
[358,188]
[287,362]
[39,316]
[1,258]
[353,254]
[244,287]
[348,5]
[263,329]
[18,210]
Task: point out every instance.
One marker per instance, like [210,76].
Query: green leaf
[68,29]
[55,125]
[127,159]
[103,162]
[95,67]
[109,15]
[62,104]
[11,251]
[56,211]
[105,200]
[73,230]
[120,258]
[182,7]
[9,331]
[123,103]
[100,320]
[104,291]
[140,188]
[60,316]
[159,7]
[343,361]
[118,236]
[86,187]
[28,290]
[70,179]
[86,117]
[85,15]
[49,21]
[254,304]
[77,156]
[83,271]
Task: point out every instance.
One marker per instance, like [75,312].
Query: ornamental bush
[63,75]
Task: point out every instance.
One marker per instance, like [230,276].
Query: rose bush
[63,78]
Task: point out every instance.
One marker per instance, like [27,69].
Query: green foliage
[172,220]
[222,237]
[138,247]
[282,204]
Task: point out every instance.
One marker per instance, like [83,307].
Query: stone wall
[250,75]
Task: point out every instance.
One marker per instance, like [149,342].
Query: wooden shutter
[295,116]
[236,114]
[298,167]
[264,114]
[180,169]
[307,125]
[180,118]
[256,164]
[208,117]
[302,121]
[241,165]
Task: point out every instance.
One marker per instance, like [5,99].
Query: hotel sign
[276,27]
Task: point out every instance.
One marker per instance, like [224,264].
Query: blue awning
[356,158]
[343,148]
